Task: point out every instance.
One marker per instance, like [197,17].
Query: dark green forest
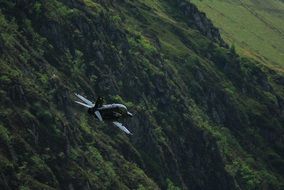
[205,117]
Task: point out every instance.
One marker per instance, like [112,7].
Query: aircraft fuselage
[111,112]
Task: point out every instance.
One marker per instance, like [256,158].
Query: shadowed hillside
[205,117]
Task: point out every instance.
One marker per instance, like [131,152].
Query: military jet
[106,112]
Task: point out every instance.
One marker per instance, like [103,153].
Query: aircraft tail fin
[99,102]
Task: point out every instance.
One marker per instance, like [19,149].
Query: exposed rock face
[200,21]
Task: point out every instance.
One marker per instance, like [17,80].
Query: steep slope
[205,118]
[255,27]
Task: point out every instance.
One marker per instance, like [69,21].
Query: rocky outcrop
[200,21]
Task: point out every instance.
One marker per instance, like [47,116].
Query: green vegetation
[205,116]
[255,27]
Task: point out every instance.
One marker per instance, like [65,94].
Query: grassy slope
[255,27]
[161,22]
[202,111]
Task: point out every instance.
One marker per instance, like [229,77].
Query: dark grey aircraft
[106,112]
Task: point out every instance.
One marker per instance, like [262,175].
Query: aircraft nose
[129,114]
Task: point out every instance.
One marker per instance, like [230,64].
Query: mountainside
[255,27]
[205,117]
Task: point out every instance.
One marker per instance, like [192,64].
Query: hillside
[255,27]
[205,117]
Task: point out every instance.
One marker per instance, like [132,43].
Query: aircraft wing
[85,100]
[99,116]
[119,125]
[83,104]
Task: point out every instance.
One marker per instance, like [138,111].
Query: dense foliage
[205,118]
